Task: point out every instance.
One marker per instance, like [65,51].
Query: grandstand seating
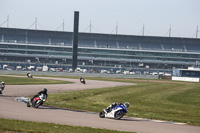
[193,48]
[151,46]
[38,40]
[86,43]
[103,49]
[14,38]
[128,44]
[173,47]
[61,41]
[106,43]
[100,40]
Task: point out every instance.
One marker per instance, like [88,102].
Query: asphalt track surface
[10,108]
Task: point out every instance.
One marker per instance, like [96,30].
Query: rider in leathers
[2,86]
[108,109]
[39,93]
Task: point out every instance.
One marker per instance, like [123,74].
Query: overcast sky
[105,15]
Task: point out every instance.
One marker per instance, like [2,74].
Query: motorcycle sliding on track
[37,101]
[117,112]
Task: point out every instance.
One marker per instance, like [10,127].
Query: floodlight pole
[36,23]
[170,30]
[143,30]
[63,25]
[8,21]
[75,41]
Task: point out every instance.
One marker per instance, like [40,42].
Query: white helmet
[3,83]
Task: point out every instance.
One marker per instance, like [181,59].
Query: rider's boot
[29,100]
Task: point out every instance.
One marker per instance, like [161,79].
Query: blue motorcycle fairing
[120,106]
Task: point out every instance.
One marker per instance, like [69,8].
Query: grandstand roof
[48,33]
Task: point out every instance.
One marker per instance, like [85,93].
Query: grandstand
[23,46]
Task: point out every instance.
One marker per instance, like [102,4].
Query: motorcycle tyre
[102,114]
[36,105]
[83,82]
[120,116]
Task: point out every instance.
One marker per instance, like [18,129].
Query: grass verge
[29,81]
[179,102]
[38,127]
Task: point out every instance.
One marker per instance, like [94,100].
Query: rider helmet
[126,104]
[45,90]
[3,83]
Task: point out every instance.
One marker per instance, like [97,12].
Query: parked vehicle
[31,68]
[45,68]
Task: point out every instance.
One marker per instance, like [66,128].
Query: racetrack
[12,109]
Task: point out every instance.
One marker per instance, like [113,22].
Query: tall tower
[75,41]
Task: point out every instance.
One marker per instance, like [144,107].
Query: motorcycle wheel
[37,104]
[119,114]
[102,114]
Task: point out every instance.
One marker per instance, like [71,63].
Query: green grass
[177,102]
[29,81]
[37,127]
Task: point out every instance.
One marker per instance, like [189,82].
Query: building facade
[97,50]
